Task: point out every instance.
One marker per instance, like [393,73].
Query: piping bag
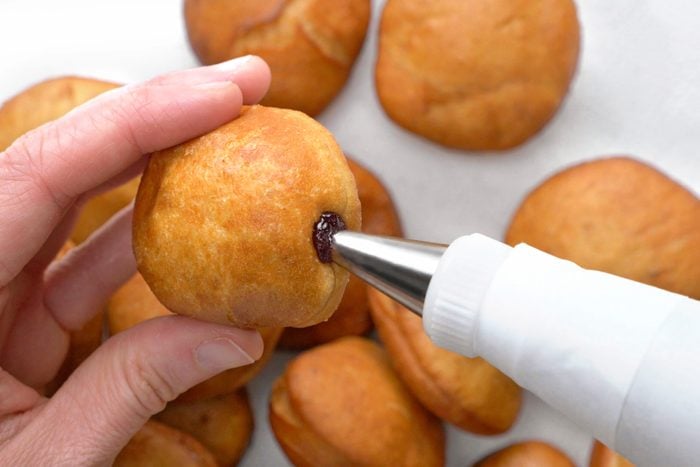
[619,358]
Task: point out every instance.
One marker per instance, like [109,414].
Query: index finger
[43,172]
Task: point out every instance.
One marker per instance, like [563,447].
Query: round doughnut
[223,424]
[309,45]
[467,392]
[476,74]
[342,404]
[620,216]
[234,227]
[159,444]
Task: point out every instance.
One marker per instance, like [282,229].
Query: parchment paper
[637,91]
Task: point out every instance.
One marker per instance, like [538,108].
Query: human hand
[44,178]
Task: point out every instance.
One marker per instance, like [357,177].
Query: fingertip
[228,90]
[79,284]
[227,100]
[257,90]
[255,80]
[250,73]
[257,345]
[249,340]
[221,353]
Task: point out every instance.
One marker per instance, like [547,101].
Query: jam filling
[328,225]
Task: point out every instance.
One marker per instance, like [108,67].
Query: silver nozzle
[400,268]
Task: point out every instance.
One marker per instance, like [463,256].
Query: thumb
[129,378]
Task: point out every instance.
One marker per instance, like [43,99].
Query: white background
[637,92]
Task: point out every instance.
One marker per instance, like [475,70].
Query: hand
[44,177]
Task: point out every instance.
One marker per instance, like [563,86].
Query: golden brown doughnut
[477,74]
[131,304]
[467,392]
[102,207]
[223,224]
[602,456]
[157,444]
[341,404]
[222,424]
[48,101]
[619,216]
[44,102]
[310,45]
[134,302]
[527,454]
[352,317]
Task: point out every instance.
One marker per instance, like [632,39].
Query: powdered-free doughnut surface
[223,224]
[310,45]
[476,74]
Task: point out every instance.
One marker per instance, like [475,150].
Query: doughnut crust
[158,444]
[102,207]
[527,454]
[467,392]
[602,456]
[310,45]
[379,217]
[223,223]
[476,74]
[620,216]
[223,424]
[342,404]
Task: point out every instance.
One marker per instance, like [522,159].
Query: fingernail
[221,354]
[234,64]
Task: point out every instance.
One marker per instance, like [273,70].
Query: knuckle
[19,163]
[24,166]
[161,80]
[132,111]
[150,390]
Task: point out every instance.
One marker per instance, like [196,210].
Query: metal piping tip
[400,268]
